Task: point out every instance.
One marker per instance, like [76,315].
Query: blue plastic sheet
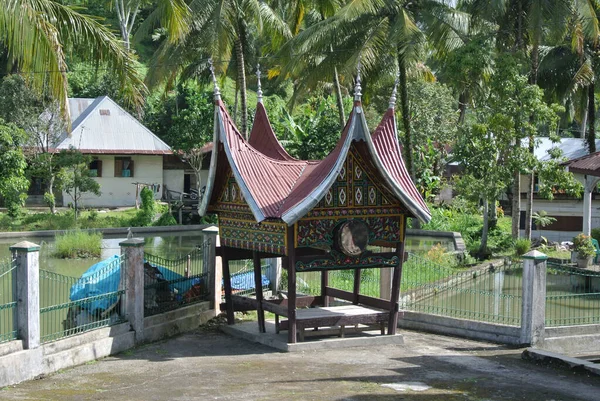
[245,281]
[100,279]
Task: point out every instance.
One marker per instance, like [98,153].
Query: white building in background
[124,153]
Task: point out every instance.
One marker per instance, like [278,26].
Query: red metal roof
[262,137]
[588,164]
[279,187]
[386,144]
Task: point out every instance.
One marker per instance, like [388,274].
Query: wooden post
[291,262]
[227,285]
[397,276]
[356,289]
[324,285]
[137,194]
[259,292]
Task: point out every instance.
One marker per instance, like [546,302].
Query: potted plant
[583,246]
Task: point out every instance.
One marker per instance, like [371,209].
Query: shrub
[78,244]
[147,210]
[522,246]
[582,244]
[596,233]
[166,219]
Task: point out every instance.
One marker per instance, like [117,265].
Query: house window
[123,167]
[96,168]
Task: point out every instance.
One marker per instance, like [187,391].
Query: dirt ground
[209,365]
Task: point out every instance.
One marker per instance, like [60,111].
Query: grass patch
[78,244]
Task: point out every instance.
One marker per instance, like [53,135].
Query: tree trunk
[529,210]
[516,200]
[493,215]
[338,95]
[52,205]
[242,86]
[591,136]
[405,117]
[462,107]
[482,253]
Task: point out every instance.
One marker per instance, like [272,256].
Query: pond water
[167,245]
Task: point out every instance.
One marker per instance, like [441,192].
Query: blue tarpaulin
[103,278]
[245,281]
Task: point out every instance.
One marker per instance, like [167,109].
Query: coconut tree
[386,36]
[37,35]
[222,30]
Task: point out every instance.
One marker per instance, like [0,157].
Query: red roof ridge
[263,138]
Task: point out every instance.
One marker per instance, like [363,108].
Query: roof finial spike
[394,91]
[217,92]
[259,92]
[357,87]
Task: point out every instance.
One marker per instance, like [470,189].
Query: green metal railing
[242,277]
[8,300]
[492,294]
[172,283]
[572,296]
[60,316]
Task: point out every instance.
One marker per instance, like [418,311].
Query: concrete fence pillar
[132,281]
[27,257]
[214,266]
[534,297]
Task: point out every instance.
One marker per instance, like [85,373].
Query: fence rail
[71,305]
[8,300]
[492,294]
[172,283]
[572,296]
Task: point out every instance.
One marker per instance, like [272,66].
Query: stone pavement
[209,365]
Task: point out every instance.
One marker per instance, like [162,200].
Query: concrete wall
[18,364]
[173,179]
[120,191]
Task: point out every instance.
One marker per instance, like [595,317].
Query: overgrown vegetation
[78,244]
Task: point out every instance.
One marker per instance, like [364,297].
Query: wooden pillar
[227,285]
[291,268]
[259,292]
[324,285]
[356,290]
[397,276]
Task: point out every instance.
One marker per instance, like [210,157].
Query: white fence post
[132,281]
[275,274]
[213,264]
[534,297]
[27,256]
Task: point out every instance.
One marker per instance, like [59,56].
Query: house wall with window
[117,174]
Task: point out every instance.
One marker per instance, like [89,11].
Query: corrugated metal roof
[104,127]
[572,148]
[588,165]
[276,186]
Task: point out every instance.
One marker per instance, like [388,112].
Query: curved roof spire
[259,93]
[392,103]
[357,87]
[217,92]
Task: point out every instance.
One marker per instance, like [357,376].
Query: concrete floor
[210,365]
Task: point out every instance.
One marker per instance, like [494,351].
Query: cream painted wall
[120,191]
[173,179]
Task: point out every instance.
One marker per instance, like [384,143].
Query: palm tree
[38,34]
[223,30]
[385,35]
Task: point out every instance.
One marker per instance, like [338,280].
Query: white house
[124,152]
[568,211]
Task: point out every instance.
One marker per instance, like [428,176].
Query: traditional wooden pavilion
[317,215]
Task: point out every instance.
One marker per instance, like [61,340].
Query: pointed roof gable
[104,127]
[276,186]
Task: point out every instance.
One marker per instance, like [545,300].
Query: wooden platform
[335,317]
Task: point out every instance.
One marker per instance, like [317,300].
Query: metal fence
[172,283]
[572,296]
[8,300]
[242,277]
[492,294]
[71,305]
[309,283]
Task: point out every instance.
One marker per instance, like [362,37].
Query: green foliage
[582,244]
[522,246]
[166,219]
[13,183]
[595,233]
[78,244]
[433,118]
[541,218]
[74,178]
[148,209]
